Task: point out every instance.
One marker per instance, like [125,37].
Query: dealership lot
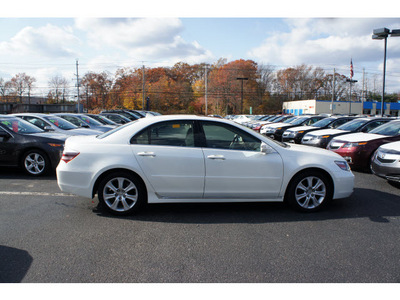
[50,236]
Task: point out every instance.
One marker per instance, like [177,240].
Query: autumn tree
[21,83]
[96,89]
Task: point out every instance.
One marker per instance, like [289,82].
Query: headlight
[351,145]
[343,165]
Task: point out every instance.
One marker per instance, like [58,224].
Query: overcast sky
[47,42]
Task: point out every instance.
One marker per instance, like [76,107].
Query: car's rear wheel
[35,163]
[121,193]
[309,191]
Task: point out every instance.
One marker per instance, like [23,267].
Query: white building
[301,107]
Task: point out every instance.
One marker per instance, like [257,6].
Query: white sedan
[187,159]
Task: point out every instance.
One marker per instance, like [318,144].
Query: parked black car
[321,138]
[82,120]
[295,134]
[116,117]
[25,145]
[102,119]
[275,131]
[131,115]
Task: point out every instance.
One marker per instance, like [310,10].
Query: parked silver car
[386,162]
[53,123]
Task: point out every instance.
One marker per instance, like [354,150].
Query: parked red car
[358,148]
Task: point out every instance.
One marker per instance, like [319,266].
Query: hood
[276,125]
[359,137]
[391,146]
[327,132]
[51,135]
[300,128]
[314,150]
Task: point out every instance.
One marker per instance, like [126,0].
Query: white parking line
[35,194]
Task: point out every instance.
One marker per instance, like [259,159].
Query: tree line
[227,88]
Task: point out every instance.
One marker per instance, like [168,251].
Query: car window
[60,123]
[20,126]
[224,136]
[35,121]
[373,125]
[73,120]
[390,129]
[171,133]
[339,123]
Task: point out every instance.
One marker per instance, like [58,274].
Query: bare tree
[59,88]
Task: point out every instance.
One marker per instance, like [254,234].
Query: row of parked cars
[35,141]
[367,143]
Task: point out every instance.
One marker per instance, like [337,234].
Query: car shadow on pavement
[17,173]
[14,264]
[363,203]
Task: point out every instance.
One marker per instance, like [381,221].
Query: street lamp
[382,34]
[241,102]
[351,81]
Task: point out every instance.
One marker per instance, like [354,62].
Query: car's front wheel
[121,193]
[309,191]
[36,163]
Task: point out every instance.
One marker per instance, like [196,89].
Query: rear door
[168,157]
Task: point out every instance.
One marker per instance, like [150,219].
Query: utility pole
[333,90]
[77,84]
[363,92]
[206,71]
[143,92]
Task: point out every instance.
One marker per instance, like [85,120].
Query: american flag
[351,69]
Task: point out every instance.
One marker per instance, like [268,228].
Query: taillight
[67,156]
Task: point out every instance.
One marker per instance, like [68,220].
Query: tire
[309,191]
[121,193]
[36,163]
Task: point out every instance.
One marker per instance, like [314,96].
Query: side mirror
[265,149]
[48,128]
[85,125]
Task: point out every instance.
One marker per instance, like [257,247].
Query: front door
[235,166]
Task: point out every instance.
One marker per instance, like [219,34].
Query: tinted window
[224,136]
[20,126]
[60,123]
[390,129]
[171,133]
[35,121]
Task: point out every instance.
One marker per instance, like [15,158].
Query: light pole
[351,81]
[382,34]
[241,101]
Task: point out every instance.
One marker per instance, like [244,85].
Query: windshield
[90,121]
[298,121]
[323,122]
[352,125]
[20,126]
[105,120]
[390,129]
[60,123]
[288,120]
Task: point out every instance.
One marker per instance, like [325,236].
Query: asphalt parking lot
[47,236]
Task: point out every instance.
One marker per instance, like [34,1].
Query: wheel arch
[312,169]
[115,170]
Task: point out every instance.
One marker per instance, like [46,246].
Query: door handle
[152,154]
[221,157]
